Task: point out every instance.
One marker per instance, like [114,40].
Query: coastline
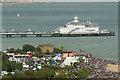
[20,3]
[70,64]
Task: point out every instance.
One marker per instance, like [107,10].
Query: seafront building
[73,28]
[77,27]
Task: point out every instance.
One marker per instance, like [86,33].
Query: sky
[68,0]
[81,0]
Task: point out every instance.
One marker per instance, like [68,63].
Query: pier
[49,34]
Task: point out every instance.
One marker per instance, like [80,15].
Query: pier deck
[43,34]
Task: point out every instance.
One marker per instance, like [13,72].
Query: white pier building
[77,27]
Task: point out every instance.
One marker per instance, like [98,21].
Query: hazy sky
[80,0]
[69,0]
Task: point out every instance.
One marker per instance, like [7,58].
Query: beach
[112,67]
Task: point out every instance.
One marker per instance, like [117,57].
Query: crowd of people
[97,67]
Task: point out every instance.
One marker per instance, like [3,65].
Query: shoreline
[96,67]
[20,3]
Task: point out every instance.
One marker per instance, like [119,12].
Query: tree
[81,60]
[83,74]
[7,77]
[62,47]
[47,52]
[38,49]
[39,54]
[18,51]
[11,50]
[49,72]
[10,66]
[28,47]
[4,57]
[76,64]
[70,74]
[30,73]
[46,73]
[71,64]
[20,75]
[55,49]
[4,67]
[61,75]
[7,66]
[18,66]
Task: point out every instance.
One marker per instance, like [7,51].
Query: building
[46,47]
[77,27]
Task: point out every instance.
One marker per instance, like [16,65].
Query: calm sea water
[48,16]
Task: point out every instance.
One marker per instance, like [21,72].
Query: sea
[46,17]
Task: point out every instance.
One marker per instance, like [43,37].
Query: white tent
[26,67]
[70,60]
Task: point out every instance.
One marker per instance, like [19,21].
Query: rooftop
[76,22]
[91,24]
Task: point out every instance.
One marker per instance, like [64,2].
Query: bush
[11,50]
[28,47]
[20,75]
[84,73]
[39,53]
[61,75]
[9,66]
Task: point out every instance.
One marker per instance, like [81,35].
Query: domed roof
[75,22]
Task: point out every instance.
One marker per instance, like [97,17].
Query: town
[47,61]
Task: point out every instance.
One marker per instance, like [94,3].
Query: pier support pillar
[8,35]
[38,35]
[23,35]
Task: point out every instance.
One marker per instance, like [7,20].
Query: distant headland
[8,3]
